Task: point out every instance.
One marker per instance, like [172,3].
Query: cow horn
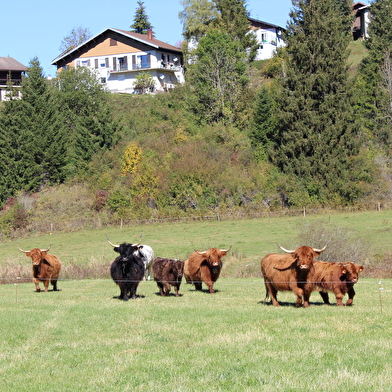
[200,252]
[286,250]
[46,250]
[140,241]
[226,250]
[114,246]
[322,249]
[24,251]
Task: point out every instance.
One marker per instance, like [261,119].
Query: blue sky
[36,28]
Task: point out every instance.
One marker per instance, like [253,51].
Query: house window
[142,61]
[113,42]
[85,63]
[107,62]
[103,80]
[114,63]
[96,63]
[123,63]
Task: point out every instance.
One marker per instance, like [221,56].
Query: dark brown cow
[204,267]
[291,272]
[338,278]
[167,273]
[46,268]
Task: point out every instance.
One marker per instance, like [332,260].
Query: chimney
[149,34]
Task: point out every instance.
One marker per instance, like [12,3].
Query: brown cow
[204,267]
[291,272]
[46,268]
[167,273]
[338,278]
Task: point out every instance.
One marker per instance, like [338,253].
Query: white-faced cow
[127,270]
[338,278]
[291,272]
[167,273]
[204,267]
[148,257]
[46,267]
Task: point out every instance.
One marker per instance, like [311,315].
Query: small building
[360,24]
[269,37]
[118,56]
[10,71]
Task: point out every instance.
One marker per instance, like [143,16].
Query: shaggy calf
[46,267]
[167,273]
[338,278]
[204,267]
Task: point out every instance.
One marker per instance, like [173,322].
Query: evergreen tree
[86,115]
[219,73]
[316,137]
[141,24]
[373,91]
[233,18]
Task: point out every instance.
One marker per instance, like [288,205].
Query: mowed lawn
[82,338]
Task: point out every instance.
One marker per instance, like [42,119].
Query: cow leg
[166,287]
[54,284]
[339,297]
[176,288]
[306,299]
[123,293]
[272,292]
[351,293]
[149,272]
[160,286]
[299,293]
[197,286]
[325,297]
[46,284]
[37,288]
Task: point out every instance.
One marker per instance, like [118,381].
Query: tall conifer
[141,24]
[316,139]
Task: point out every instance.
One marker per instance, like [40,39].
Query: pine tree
[141,24]
[87,120]
[372,84]
[316,139]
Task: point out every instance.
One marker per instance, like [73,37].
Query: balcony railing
[15,82]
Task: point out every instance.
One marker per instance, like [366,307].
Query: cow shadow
[288,304]
[130,299]
[206,291]
[49,291]
[158,294]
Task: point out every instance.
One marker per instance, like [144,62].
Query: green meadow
[82,338]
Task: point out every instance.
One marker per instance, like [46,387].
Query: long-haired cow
[291,272]
[127,270]
[46,267]
[338,278]
[147,254]
[167,273]
[204,267]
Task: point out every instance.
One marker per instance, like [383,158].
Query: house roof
[10,64]
[262,24]
[142,38]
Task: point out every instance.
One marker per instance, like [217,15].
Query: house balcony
[145,67]
[15,82]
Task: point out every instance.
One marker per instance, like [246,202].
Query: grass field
[82,338]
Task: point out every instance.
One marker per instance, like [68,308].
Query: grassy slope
[82,339]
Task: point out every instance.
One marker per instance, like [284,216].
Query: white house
[118,56]
[269,37]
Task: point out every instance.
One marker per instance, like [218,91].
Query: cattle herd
[296,271]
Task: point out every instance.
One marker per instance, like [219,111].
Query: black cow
[127,270]
[167,273]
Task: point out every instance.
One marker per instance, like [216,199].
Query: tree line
[304,133]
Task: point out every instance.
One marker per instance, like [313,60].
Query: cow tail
[267,296]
